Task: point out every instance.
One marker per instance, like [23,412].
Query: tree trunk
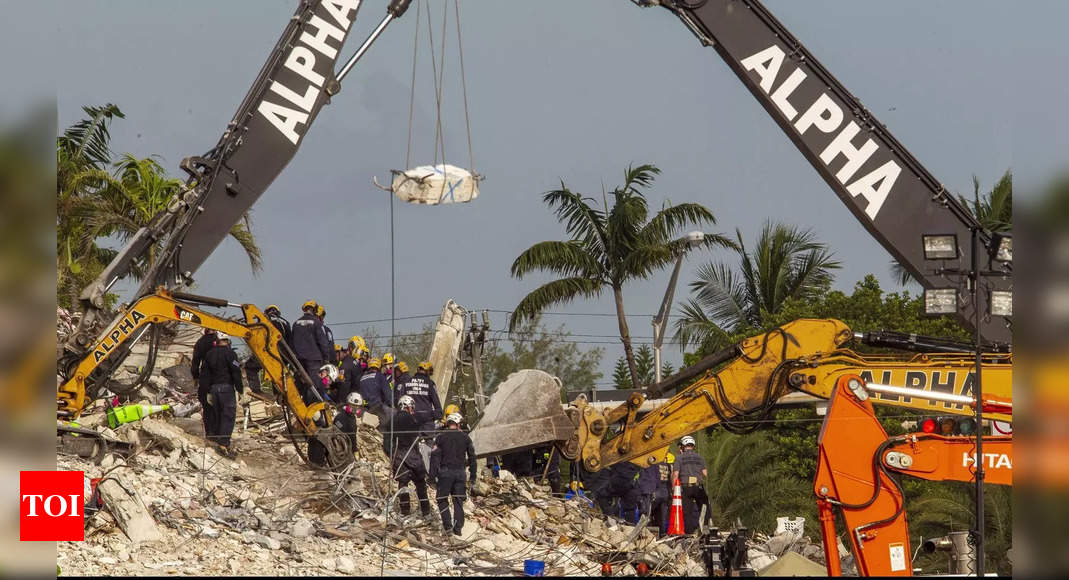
[625,335]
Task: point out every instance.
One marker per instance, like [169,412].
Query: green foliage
[621,376]
[608,247]
[748,482]
[98,198]
[645,365]
[667,369]
[786,263]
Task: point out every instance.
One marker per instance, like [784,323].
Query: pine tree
[644,364]
[621,376]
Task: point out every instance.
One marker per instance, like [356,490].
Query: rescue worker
[220,372]
[310,343]
[252,368]
[425,393]
[202,346]
[621,497]
[283,325]
[691,472]
[391,384]
[328,378]
[547,461]
[350,371]
[339,354]
[400,377]
[654,486]
[373,390]
[407,462]
[519,463]
[453,451]
[347,418]
[321,314]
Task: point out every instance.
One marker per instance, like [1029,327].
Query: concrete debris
[129,512]
[175,505]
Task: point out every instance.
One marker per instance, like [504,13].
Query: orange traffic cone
[675,517]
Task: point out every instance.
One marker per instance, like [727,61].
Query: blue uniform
[374,389]
[425,394]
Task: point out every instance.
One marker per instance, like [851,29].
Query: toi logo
[50,506]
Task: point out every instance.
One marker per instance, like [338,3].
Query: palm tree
[97,198]
[993,209]
[786,263]
[609,246]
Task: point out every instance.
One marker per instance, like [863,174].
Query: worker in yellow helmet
[654,486]
[310,344]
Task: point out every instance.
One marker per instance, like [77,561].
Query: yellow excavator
[737,388]
[87,376]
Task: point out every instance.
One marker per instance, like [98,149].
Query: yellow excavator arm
[261,336]
[806,355]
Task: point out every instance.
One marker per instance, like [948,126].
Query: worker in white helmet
[691,472]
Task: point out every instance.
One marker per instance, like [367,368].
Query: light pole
[945,301]
[693,239]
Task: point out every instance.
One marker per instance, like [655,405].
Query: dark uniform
[407,461]
[425,393]
[349,376]
[621,495]
[311,346]
[200,348]
[220,373]
[400,379]
[519,463]
[653,485]
[345,421]
[547,460]
[452,451]
[283,327]
[252,373]
[375,393]
[690,464]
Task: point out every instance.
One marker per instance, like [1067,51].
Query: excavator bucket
[524,412]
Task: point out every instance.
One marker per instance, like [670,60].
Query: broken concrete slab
[129,512]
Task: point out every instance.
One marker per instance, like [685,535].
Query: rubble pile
[175,506]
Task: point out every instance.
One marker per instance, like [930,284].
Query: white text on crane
[301,61]
[826,115]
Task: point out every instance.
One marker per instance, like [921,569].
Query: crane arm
[295,83]
[887,189]
[855,464]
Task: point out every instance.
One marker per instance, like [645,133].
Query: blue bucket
[534,568]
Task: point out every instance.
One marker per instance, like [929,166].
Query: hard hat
[222,336]
[387,359]
[357,343]
[450,409]
[686,440]
[272,307]
[426,366]
[337,346]
[320,311]
[454,418]
[374,363]
[332,371]
[309,304]
[355,399]
[406,401]
[669,458]
[401,366]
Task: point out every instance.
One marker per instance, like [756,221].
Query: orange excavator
[858,464]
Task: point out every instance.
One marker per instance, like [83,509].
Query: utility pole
[476,341]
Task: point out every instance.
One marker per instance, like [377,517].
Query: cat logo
[121,330]
[185,315]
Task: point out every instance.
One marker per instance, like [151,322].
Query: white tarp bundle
[435,184]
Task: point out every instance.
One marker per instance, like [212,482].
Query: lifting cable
[438,80]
